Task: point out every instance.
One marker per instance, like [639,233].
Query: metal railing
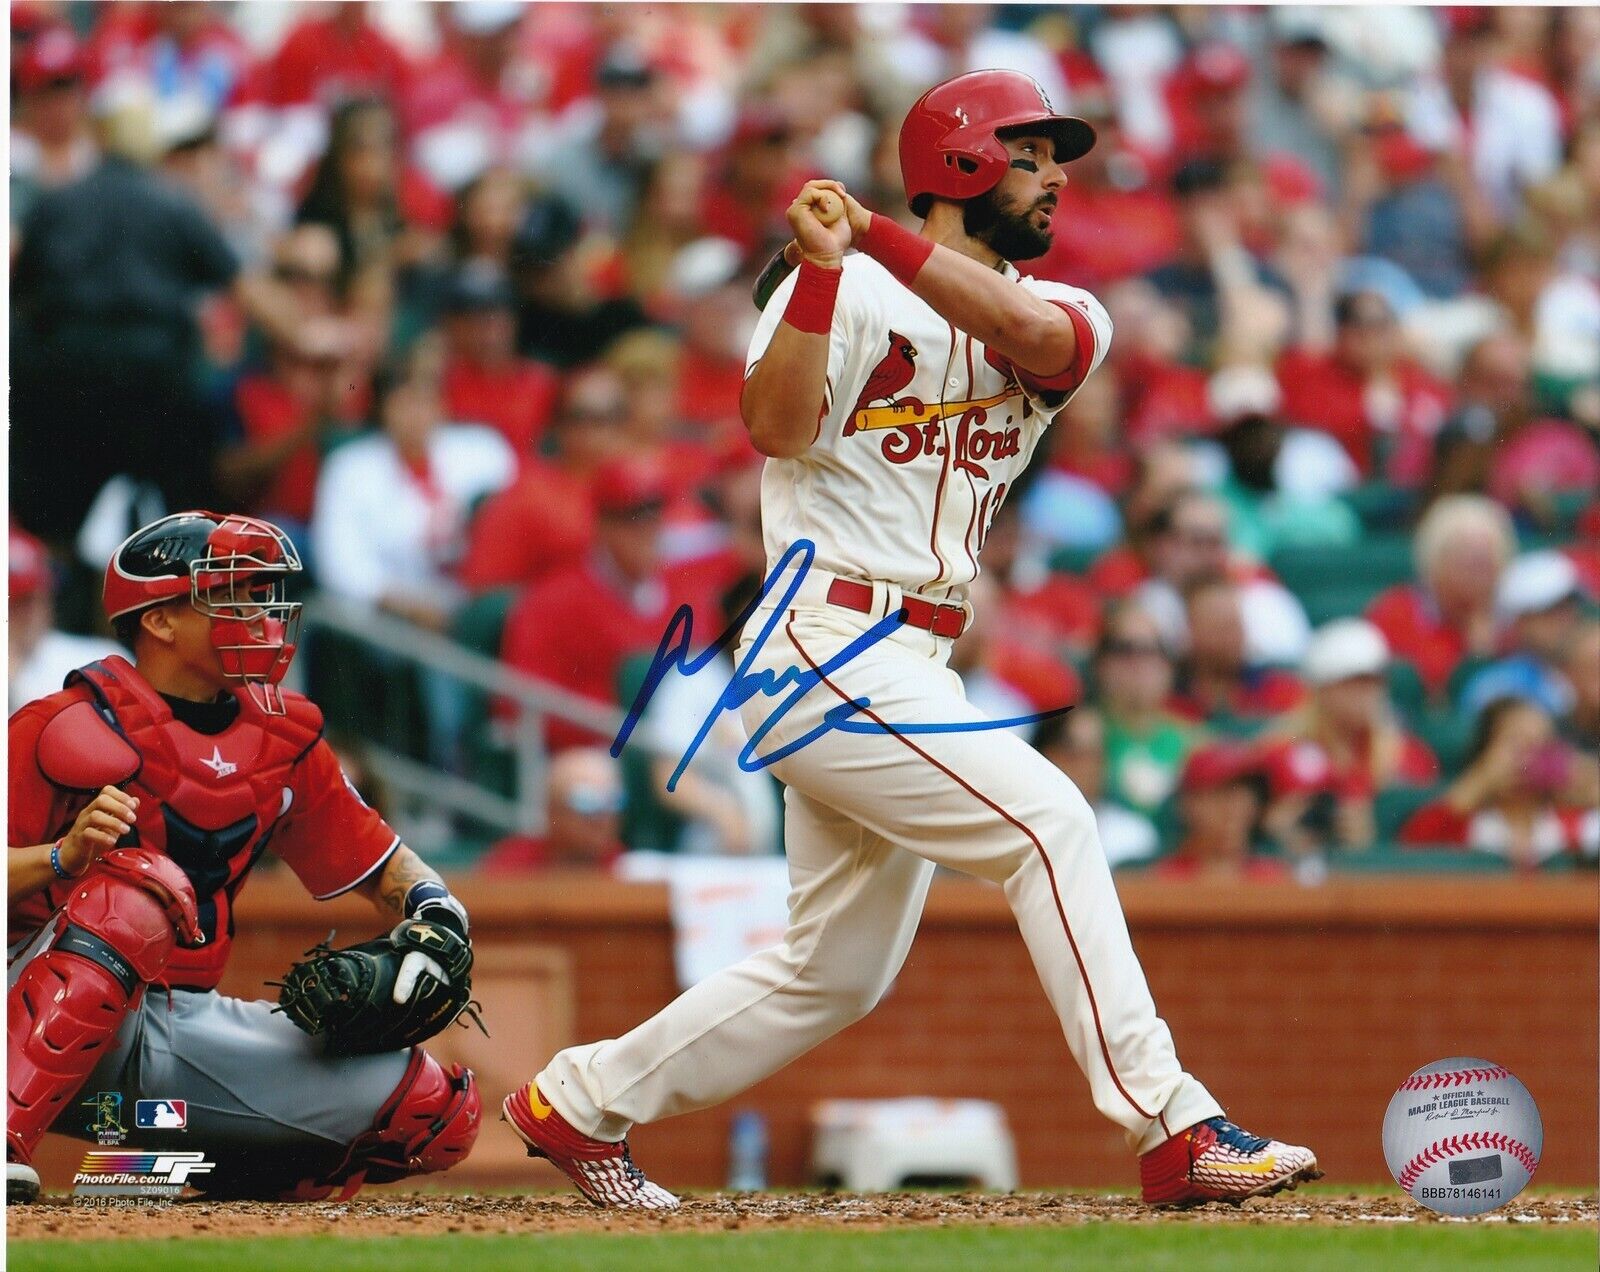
[428,787]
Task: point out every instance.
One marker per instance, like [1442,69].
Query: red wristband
[810,306]
[896,248]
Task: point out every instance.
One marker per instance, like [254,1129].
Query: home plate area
[419,1214]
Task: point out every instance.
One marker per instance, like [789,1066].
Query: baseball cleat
[1215,1160]
[603,1170]
[22,1183]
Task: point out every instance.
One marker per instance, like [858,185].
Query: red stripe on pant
[1083,972]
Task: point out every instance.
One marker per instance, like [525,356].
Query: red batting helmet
[949,147]
[235,571]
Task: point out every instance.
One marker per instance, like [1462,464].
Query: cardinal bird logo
[897,370]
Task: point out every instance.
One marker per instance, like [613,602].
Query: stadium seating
[1406,689]
[1391,860]
[646,822]
[1392,808]
[478,625]
[1334,582]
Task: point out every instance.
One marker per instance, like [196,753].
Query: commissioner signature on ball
[672,654]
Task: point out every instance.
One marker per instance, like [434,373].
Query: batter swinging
[899,392]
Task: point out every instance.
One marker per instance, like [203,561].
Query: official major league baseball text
[1462,1136]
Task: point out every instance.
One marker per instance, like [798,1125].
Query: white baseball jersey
[921,439]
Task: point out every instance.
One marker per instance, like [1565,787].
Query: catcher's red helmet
[948,143]
[234,570]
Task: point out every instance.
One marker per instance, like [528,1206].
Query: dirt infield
[418,1214]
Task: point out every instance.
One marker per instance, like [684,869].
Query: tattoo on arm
[403,869]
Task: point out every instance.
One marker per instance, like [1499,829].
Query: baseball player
[141,796]
[899,393]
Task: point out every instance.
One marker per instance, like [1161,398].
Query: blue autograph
[672,654]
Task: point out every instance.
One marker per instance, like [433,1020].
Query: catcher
[141,796]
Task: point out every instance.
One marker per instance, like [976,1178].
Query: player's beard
[1004,226]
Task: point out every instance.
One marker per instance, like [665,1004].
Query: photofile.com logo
[107,1173]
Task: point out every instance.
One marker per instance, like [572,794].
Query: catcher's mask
[234,570]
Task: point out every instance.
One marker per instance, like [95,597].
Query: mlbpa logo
[106,1125]
[161,1115]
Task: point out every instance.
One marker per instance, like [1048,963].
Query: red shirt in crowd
[1298,764]
[1586,557]
[1321,392]
[686,467]
[1556,832]
[1046,681]
[1545,457]
[576,628]
[542,521]
[323,60]
[1115,234]
[1416,766]
[267,411]
[529,854]
[516,399]
[724,216]
[1063,609]
[1416,632]
[327,835]
[1111,470]
[1162,399]
[446,90]
[422,204]
[1256,695]
[1117,571]
[1585,552]
[567,47]
[709,388]
[131,37]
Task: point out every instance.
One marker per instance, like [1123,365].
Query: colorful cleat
[1216,1161]
[603,1170]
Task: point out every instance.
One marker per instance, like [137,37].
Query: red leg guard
[113,936]
[429,1123]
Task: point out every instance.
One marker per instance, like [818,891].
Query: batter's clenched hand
[822,241]
[858,216]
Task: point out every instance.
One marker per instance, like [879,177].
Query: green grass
[1130,1247]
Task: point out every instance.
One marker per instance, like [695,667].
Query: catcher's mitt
[385,994]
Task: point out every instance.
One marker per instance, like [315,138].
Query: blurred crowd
[459,294]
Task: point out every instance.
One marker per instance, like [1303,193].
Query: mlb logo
[161,1115]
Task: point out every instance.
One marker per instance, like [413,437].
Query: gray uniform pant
[263,1103]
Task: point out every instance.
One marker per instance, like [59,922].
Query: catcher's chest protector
[219,795]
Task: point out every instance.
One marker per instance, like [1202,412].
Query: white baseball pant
[868,817]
